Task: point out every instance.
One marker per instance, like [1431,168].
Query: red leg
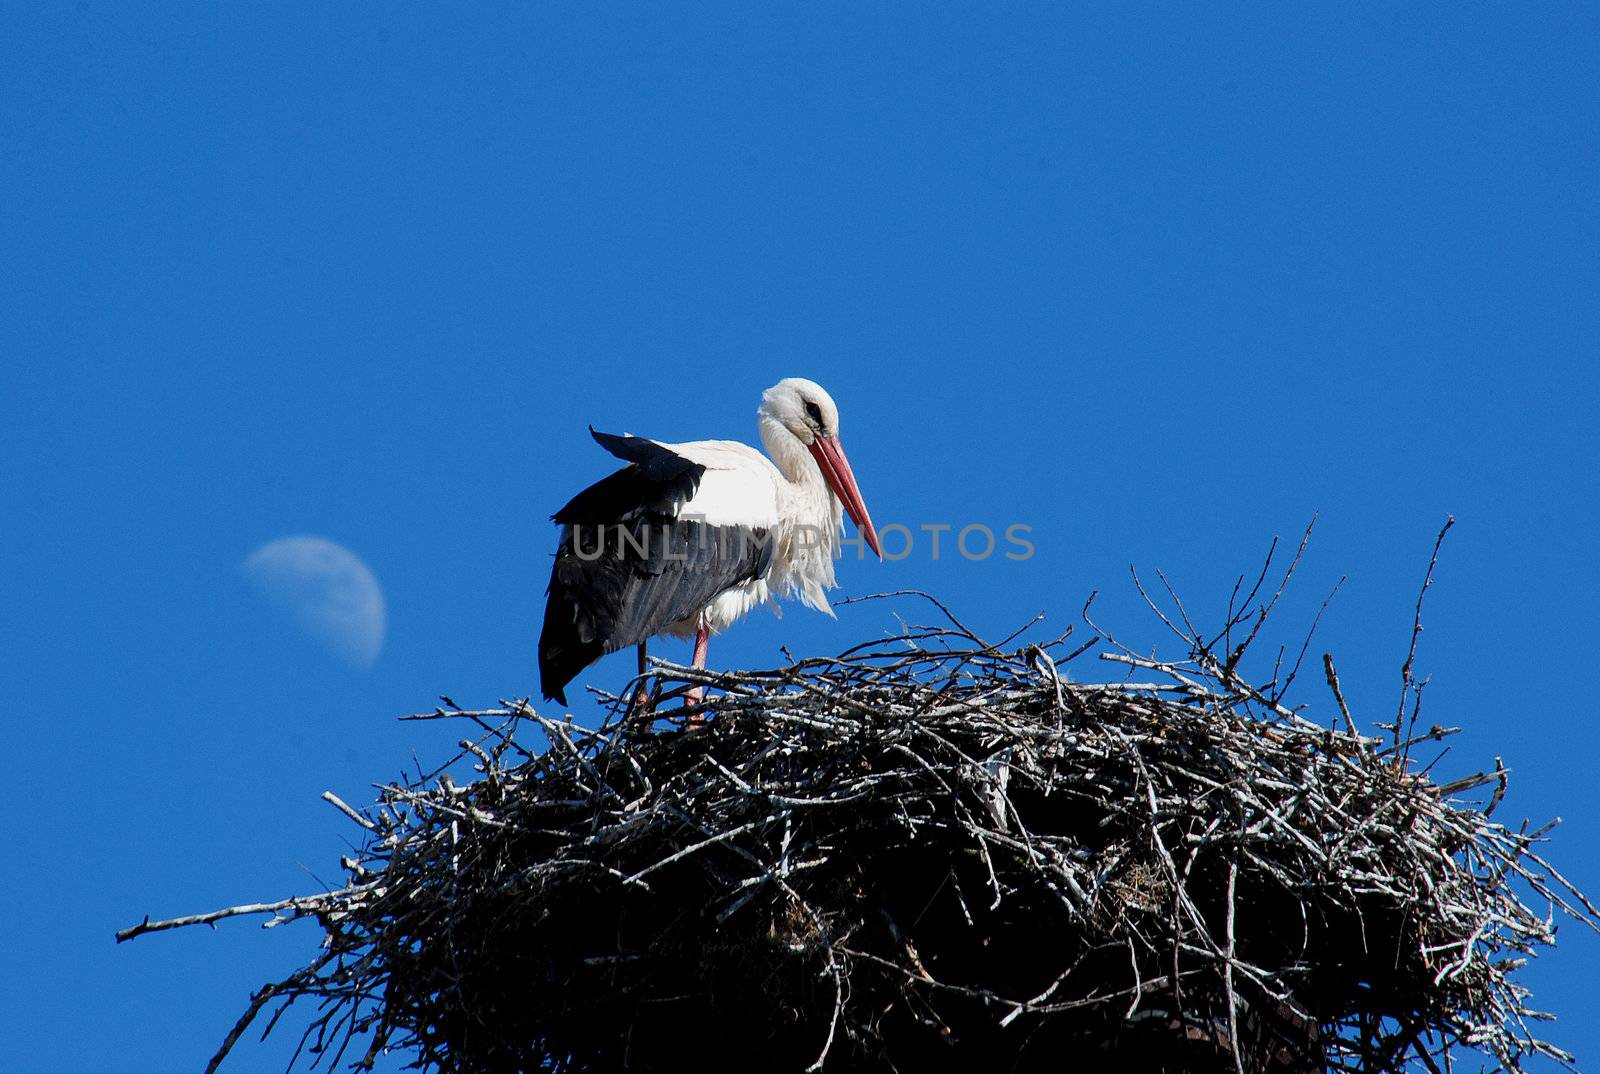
[702,640]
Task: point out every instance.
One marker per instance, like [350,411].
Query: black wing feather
[618,585]
[626,568]
[658,480]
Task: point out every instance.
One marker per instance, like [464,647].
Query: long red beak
[829,454]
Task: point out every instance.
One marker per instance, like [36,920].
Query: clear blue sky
[1158,282]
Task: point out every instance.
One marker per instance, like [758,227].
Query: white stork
[687,538]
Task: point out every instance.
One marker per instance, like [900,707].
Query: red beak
[829,454]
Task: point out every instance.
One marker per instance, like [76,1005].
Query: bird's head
[812,417]
[802,407]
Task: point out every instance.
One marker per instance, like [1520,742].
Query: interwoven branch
[923,851]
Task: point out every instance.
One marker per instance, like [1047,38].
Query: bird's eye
[814,412]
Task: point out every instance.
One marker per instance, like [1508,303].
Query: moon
[327,590]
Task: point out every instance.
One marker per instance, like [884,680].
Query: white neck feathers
[804,562]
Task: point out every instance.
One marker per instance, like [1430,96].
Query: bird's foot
[690,700]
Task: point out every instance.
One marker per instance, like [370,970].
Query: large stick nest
[931,853]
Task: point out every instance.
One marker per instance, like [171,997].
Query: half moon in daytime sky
[328,590]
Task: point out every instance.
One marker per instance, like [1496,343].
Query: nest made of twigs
[935,853]
[930,853]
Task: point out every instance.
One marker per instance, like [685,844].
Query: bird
[688,538]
